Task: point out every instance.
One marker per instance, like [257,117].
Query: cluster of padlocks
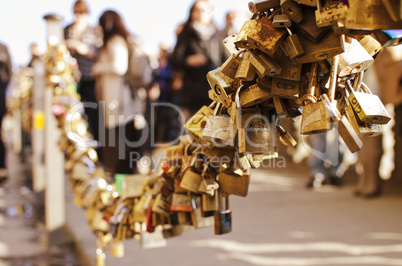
[292,58]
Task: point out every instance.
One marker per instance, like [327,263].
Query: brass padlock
[219,130]
[280,108]
[293,10]
[331,45]
[355,59]
[161,205]
[208,205]
[330,13]
[264,65]
[196,124]
[291,70]
[253,95]
[281,21]
[229,67]
[345,129]
[245,70]
[229,44]
[181,203]
[260,134]
[285,138]
[197,219]
[315,117]
[308,26]
[259,33]
[117,249]
[220,87]
[232,184]
[362,129]
[223,216]
[292,46]
[191,179]
[307,2]
[369,15]
[132,186]
[371,45]
[367,106]
[262,5]
[285,88]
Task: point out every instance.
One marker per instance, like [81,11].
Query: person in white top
[114,96]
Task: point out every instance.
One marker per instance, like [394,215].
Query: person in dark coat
[5,77]
[198,50]
[84,42]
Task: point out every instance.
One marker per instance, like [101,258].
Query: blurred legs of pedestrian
[87,92]
[3,110]
[369,183]
[325,164]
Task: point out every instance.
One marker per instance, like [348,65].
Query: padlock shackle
[365,88]
[309,97]
[333,78]
[358,81]
[218,108]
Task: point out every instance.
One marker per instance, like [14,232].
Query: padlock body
[223,222]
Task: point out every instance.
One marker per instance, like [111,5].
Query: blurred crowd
[178,79]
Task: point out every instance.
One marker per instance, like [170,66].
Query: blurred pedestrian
[165,129]
[5,77]
[83,42]
[385,80]
[118,105]
[198,49]
[230,27]
[325,159]
[35,53]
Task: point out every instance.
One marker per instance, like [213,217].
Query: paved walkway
[280,222]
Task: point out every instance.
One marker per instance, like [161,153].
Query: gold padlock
[362,129]
[220,87]
[355,59]
[262,5]
[253,95]
[307,2]
[259,33]
[285,88]
[345,129]
[369,15]
[293,10]
[219,130]
[264,65]
[245,70]
[331,45]
[371,45]
[196,124]
[197,218]
[330,13]
[229,67]
[229,44]
[367,106]
[281,21]
[308,26]
[292,46]
[291,70]
[285,138]
[315,117]
[232,184]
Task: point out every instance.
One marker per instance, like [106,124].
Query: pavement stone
[280,222]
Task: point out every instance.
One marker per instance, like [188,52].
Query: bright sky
[21,21]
